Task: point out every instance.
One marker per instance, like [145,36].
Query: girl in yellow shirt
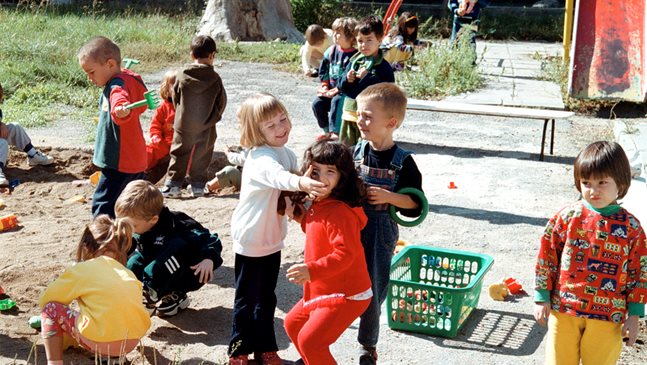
[111,318]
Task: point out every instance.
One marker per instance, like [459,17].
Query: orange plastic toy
[513,286]
[452,185]
[8,222]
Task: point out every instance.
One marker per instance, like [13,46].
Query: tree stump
[249,20]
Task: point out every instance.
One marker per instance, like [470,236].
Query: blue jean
[379,238]
[328,113]
[110,185]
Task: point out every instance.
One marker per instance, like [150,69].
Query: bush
[322,12]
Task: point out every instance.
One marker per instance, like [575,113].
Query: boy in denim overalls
[386,168]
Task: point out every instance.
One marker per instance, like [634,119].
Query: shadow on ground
[491,216]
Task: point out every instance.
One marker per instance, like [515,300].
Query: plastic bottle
[8,222]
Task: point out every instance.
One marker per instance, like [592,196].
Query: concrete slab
[632,136]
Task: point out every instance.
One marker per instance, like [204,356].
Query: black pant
[253,324]
[326,111]
[168,270]
[110,185]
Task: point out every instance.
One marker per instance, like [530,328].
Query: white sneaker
[171,192]
[196,192]
[40,159]
[3,180]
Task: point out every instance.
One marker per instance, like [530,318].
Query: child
[15,135]
[120,148]
[466,14]
[175,254]
[318,40]
[229,175]
[99,278]
[257,229]
[161,132]
[399,45]
[366,68]
[333,254]
[335,59]
[200,99]
[386,169]
[591,272]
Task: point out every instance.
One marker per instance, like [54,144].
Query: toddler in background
[161,132]
[327,105]
[318,40]
[15,135]
[591,271]
[229,175]
[333,254]
[119,148]
[111,319]
[400,43]
[258,230]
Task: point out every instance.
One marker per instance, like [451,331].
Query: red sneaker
[268,358]
[239,360]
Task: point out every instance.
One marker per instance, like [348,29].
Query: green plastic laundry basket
[434,290]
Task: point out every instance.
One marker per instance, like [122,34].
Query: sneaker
[171,191]
[239,360]
[40,159]
[3,180]
[196,192]
[368,356]
[268,358]
[172,303]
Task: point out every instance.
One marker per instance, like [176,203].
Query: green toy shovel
[129,62]
[151,100]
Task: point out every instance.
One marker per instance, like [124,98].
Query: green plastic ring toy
[423,214]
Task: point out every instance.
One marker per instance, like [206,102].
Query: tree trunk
[249,20]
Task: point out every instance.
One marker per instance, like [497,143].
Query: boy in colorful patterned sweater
[591,272]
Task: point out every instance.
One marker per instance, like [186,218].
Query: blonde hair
[392,99]
[140,199]
[99,49]
[347,26]
[105,236]
[166,88]
[252,112]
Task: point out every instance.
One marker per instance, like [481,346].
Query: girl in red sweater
[333,255]
[161,132]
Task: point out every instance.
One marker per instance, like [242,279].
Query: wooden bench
[496,111]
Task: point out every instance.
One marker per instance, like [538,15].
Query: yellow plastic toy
[498,291]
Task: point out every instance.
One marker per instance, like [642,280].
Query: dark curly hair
[350,188]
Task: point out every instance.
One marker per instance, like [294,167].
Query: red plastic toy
[513,286]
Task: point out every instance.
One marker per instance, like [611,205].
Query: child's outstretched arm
[204,269]
[547,268]
[541,312]
[637,281]
[377,195]
[630,329]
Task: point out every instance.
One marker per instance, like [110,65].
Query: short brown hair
[347,26]
[140,199]
[252,111]
[202,46]
[371,24]
[390,96]
[100,49]
[167,84]
[315,34]
[601,159]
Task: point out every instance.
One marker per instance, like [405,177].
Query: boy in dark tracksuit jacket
[367,67]
[120,148]
[200,99]
[174,253]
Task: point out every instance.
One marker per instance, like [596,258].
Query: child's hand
[541,312]
[298,274]
[290,208]
[155,139]
[470,5]
[630,330]
[362,72]
[378,195]
[121,112]
[350,76]
[205,269]
[4,131]
[322,90]
[313,187]
[332,92]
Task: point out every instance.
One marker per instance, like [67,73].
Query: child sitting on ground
[200,99]
[327,105]
[174,255]
[15,135]
[111,319]
[120,148]
[401,42]
[386,169]
[366,68]
[591,271]
[229,175]
[318,40]
[161,132]
[333,254]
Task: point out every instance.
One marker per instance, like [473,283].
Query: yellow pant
[570,339]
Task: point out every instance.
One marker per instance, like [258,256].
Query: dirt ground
[500,207]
